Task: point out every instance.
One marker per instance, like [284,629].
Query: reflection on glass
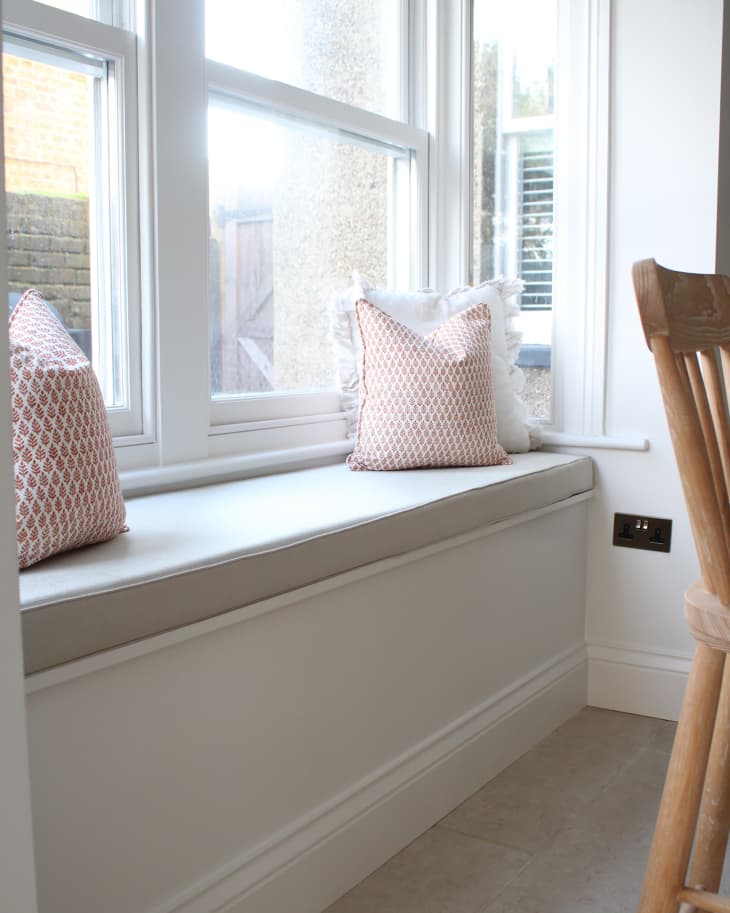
[80,7]
[293,212]
[513,77]
[345,49]
[48,159]
[55,226]
[532,59]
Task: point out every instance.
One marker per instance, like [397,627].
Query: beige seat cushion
[194,554]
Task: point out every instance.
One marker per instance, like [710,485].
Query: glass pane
[348,50]
[531,59]
[52,192]
[112,12]
[80,7]
[514,56]
[293,211]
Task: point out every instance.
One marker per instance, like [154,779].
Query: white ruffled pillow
[423,311]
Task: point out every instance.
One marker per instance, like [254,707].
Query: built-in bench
[268,687]
[194,554]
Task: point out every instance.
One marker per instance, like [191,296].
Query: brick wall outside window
[47,143]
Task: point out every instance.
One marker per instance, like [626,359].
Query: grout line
[497,843]
[509,884]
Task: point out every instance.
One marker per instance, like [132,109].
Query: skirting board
[646,682]
[318,858]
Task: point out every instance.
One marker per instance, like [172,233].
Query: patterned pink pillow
[426,400]
[67,491]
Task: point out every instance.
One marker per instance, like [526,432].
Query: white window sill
[136,482]
[555,439]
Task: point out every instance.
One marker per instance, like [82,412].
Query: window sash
[581,141]
[109,52]
[242,414]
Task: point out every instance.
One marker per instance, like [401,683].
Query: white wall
[17,877]
[664,170]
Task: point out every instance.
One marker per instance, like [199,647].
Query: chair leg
[679,808]
[714,820]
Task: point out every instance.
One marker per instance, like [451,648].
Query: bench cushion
[194,554]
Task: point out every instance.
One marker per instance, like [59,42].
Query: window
[67,175]
[214,177]
[308,181]
[292,210]
[540,188]
[345,50]
[513,91]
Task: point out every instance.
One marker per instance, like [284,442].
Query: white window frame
[581,216]
[581,219]
[167,259]
[193,427]
[230,415]
[34,22]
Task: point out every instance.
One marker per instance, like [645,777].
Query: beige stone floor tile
[440,872]
[664,738]
[596,863]
[565,829]
[537,796]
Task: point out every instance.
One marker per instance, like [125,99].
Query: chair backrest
[686,320]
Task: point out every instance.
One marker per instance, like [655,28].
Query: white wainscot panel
[270,765]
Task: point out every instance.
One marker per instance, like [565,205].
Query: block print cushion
[423,311]
[67,491]
[426,401]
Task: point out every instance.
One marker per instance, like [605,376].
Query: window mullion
[180,182]
[450,152]
[581,214]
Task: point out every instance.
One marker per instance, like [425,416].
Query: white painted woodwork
[340,724]
[17,875]
[179,127]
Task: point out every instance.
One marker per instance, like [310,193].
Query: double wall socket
[639,531]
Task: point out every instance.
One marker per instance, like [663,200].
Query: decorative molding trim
[582,177]
[642,680]
[598,139]
[336,844]
[555,439]
[220,469]
[113,657]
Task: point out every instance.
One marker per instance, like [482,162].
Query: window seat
[194,554]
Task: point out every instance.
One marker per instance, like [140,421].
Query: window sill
[552,439]
[155,479]
[137,482]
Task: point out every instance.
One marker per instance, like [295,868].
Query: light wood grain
[707,616]
[705,900]
[686,320]
[692,309]
[695,469]
[715,384]
[679,808]
[714,819]
[711,436]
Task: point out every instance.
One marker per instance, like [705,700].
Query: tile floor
[565,829]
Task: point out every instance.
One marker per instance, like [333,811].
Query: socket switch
[639,531]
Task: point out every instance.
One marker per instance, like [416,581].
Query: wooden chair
[686,319]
